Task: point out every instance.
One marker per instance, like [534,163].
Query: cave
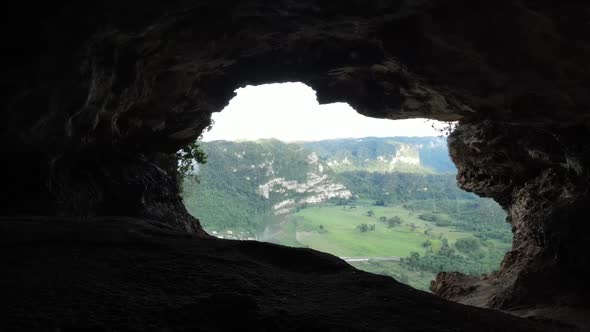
[97,98]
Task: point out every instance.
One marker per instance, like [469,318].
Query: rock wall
[97,184]
[540,176]
[120,87]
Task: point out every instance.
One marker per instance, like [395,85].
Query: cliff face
[97,97]
[540,176]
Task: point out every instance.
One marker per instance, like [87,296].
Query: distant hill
[245,182]
[391,154]
[368,198]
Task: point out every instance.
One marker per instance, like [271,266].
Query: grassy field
[333,229]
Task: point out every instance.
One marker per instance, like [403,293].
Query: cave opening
[378,193]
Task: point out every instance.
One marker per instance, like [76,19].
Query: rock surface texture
[127,274]
[97,97]
[540,176]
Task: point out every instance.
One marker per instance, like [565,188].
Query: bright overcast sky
[290,112]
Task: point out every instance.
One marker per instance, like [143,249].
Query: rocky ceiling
[97,97]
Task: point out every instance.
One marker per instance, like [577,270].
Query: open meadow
[370,232]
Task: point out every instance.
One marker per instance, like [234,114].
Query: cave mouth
[380,194]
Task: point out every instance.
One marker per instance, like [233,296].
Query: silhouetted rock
[128,274]
[540,176]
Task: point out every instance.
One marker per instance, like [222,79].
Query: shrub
[467,244]
[365,227]
[394,221]
[188,157]
[362,228]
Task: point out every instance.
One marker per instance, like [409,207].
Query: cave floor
[128,274]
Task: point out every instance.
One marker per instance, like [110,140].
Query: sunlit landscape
[388,205]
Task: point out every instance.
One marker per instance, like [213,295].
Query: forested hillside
[387,205]
[395,154]
[244,181]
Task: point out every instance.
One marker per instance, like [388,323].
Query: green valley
[386,205]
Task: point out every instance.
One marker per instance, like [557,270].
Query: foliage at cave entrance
[188,157]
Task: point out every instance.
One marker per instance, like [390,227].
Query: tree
[365,227]
[379,202]
[362,228]
[427,244]
[467,244]
[188,157]
[445,249]
[414,257]
[394,221]
[370,213]
[383,218]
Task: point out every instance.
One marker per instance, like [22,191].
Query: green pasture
[333,229]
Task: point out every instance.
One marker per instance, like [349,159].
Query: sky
[290,112]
